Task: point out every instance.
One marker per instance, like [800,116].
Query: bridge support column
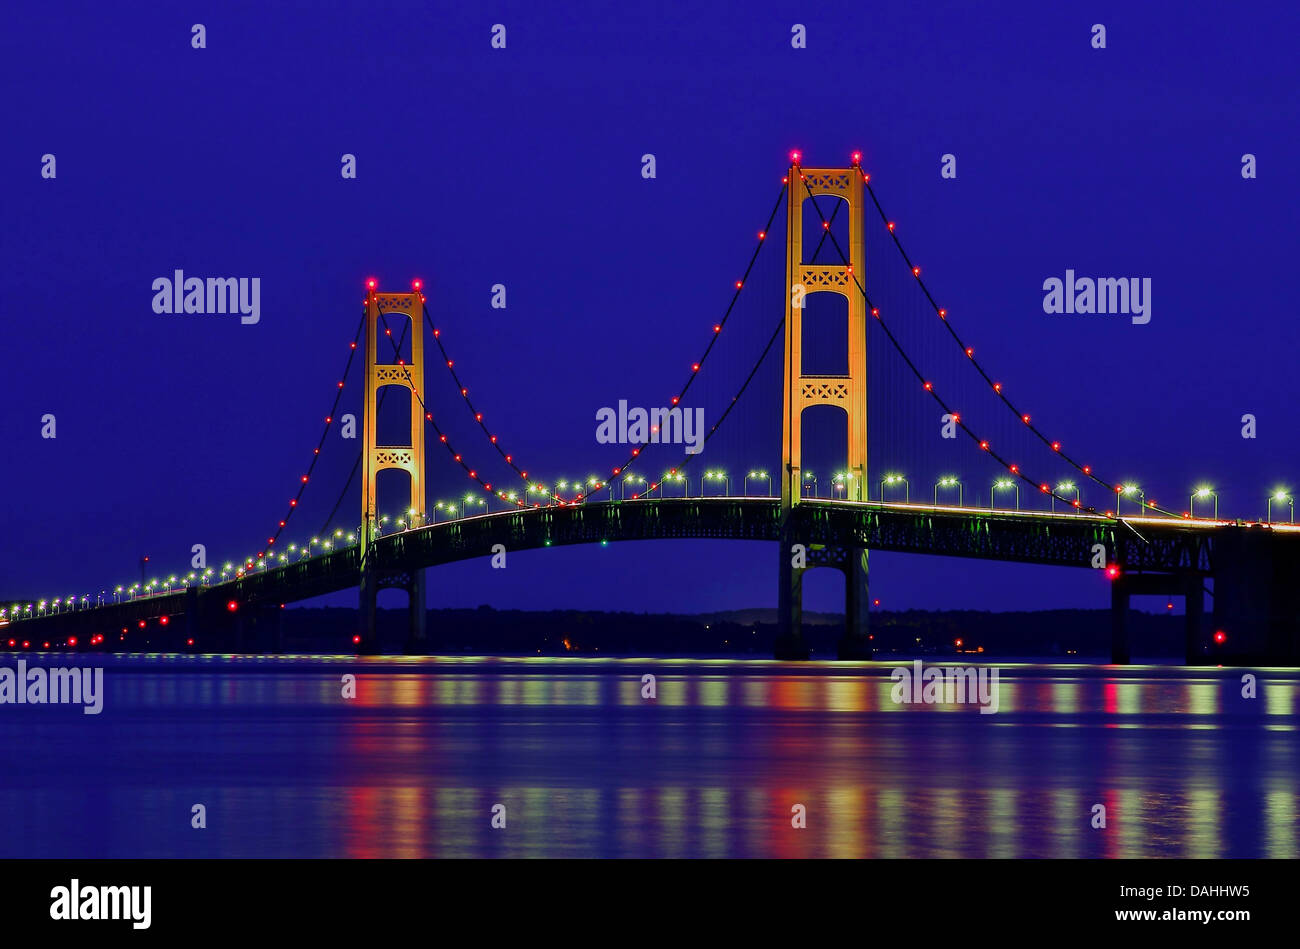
[417,641]
[856,642]
[413,583]
[368,614]
[790,643]
[1194,619]
[192,613]
[1119,597]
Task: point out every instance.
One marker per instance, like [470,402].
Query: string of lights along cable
[996,387]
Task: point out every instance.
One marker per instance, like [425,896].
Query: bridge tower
[375,458]
[803,390]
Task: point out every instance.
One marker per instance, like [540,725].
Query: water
[413,766]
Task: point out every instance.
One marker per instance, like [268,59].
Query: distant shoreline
[1059,635]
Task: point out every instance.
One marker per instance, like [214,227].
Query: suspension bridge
[1248,566]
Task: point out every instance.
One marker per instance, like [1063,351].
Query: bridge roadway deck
[1139,545]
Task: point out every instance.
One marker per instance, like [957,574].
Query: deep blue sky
[522,166]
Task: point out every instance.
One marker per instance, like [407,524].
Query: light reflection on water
[413,766]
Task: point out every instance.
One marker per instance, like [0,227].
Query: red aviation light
[232,606]
[416,284]
[372,283]
[1220,637]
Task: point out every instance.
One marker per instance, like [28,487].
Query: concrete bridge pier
[856,641]
[1194,638]
[367,614]
[1188,585]
[1257,597]
[790,644]
[191,625]
[417,640]
[1119,597]
[413,582]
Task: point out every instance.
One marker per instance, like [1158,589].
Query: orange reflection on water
[586,766]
